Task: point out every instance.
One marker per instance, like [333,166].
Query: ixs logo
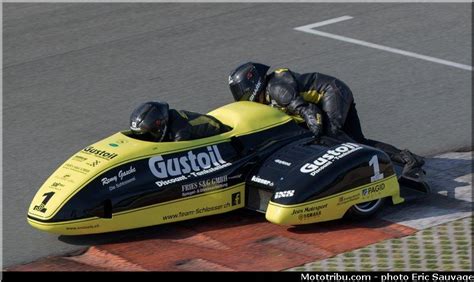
[329,157]
[257,179]
[373,189]
[189,163]
[284,194]
[99,153]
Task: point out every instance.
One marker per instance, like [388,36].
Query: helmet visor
[236,92]
[243,91]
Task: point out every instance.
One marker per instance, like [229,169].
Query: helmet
[247,81]
[150,118]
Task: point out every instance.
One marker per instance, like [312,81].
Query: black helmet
[247,81]
[150,118]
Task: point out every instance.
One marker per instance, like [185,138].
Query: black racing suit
[327,106]
[185,125]
[307,94]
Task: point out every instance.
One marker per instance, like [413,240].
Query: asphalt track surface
[72,73]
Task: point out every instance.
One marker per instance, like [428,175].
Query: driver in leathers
[324,102]
[155,121]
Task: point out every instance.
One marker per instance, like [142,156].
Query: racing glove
[312,115]
[286,96]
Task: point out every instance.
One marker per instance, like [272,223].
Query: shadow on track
[443,174]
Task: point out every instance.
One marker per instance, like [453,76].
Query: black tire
[365,210]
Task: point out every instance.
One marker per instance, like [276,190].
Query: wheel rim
[367,206]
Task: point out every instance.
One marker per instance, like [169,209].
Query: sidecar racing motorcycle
[267,162]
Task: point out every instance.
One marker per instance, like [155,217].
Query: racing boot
[413,164]
[413,175]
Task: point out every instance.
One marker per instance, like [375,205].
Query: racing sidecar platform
[267,162]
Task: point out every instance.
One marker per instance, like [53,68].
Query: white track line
[309,29]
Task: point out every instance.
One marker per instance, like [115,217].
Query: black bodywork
[272,156]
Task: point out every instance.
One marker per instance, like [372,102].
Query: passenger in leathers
[154,121]
[324,102]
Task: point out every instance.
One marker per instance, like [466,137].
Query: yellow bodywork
[119,149]
[333,206]
[214,202]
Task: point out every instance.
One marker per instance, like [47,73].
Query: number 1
[47,197]
[374,161]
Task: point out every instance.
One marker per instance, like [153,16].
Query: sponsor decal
[265,182]
[161,183]
[309,212]
[236,199]
[66,177]
[195,212]
[329,157]
[210,209]
[124,173]
[346,199]
[376,189]
[120,184]
[42,207]
[118,180]
[315,208]
[235,176]
[93,163]
[190,164]
[255,91]
[99,153]
[76,168]
[284,194]
[207,171]
[282,162]
[56,186]
[204,186]
[79,158]
[83,227]
[106,180]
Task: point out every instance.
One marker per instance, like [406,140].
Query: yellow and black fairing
[307,183]
[122,183]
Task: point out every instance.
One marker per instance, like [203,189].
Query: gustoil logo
[329,157]
[190,162]
[99,153]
